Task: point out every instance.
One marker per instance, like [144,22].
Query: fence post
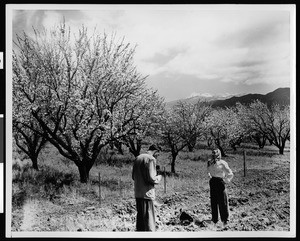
[120,187]
[244,163]
[165,181]
[99,188]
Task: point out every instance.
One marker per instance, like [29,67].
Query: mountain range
[279,96]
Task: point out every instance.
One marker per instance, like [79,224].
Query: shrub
[18,198]
[45,182]
[19,165]
[112,158]
[21,170]
[195,156]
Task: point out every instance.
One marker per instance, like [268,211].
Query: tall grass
[59,177]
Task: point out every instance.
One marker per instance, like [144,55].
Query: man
[219,173]
[145,177]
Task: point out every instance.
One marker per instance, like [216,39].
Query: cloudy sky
[189,50]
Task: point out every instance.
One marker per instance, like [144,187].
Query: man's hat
[154,147]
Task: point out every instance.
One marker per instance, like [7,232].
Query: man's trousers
[145,219]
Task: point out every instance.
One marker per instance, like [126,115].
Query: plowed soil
[258,202]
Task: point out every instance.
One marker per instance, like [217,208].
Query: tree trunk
[233,147]
[270,142]
[261,141]
[34,163]
[118,145]
[190,147]
[84,172]
[135,150]
[84,176]
[209,142]
[222,151]
[218,144]
[281,150]
[191,144]
[174,155]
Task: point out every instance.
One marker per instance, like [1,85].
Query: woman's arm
[228,172]
[208,172]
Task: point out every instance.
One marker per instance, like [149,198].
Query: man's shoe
[157,204]
[224,226]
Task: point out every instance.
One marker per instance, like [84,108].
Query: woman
[219,173]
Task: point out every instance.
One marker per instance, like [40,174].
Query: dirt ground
[258,202]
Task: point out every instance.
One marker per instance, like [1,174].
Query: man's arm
[132,173]
[151,173]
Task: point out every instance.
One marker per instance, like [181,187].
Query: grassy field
[53,199]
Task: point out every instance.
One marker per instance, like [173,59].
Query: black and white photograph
[150,120]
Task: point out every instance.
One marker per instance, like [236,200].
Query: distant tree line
[225,128]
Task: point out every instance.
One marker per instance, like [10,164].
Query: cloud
[205,95]
[194,94]
[218,48]
[248,63]
[214,47]
[211,45]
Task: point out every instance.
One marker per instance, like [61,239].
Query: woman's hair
[216,153]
